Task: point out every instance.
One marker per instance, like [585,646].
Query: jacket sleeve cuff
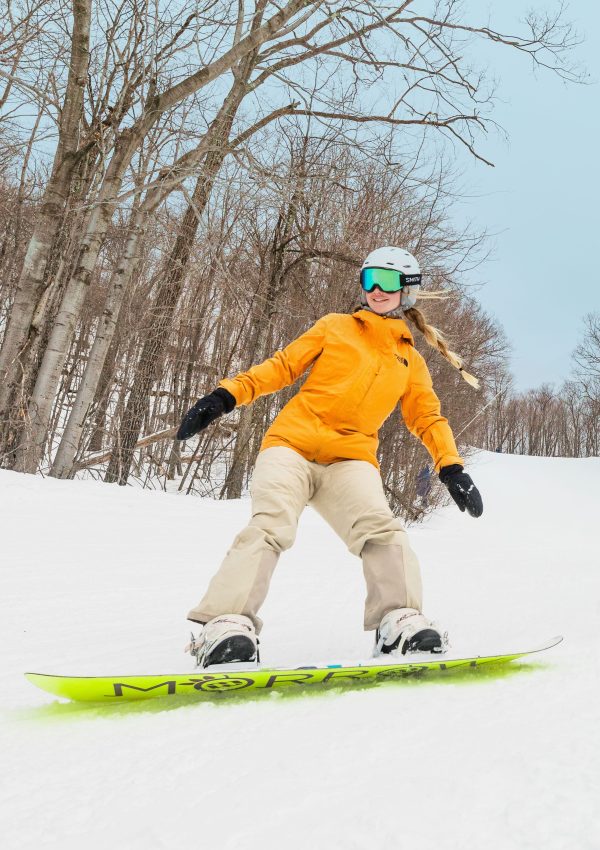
[447,460]
[228,398]
[448,470]
[229,386]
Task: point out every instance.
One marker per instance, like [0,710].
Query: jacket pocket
[382,396]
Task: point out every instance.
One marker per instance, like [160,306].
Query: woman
[321,450]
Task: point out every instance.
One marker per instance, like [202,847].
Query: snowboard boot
[406,630]
[226,638]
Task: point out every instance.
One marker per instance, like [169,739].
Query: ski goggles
[388,280]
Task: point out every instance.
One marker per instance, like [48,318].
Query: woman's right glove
[205,411]
[461,487]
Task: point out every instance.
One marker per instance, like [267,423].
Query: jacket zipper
[368,390]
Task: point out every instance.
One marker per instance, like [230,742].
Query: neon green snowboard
[238,678]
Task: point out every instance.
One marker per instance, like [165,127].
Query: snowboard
[236,678]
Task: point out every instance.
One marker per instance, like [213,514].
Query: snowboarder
[321,450]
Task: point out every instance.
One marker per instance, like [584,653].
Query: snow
[97,579]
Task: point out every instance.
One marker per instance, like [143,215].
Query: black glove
[461,487]
[205,411]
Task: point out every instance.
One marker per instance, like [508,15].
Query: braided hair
[436,339]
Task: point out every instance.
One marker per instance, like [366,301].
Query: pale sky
[542,200]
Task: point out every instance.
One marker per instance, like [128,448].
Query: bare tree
[68,152]
[147,77]
[587,356]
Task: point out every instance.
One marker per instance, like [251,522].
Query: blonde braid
[435,338]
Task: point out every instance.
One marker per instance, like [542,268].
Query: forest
[187,187]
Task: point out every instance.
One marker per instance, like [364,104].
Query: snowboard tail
[115,689]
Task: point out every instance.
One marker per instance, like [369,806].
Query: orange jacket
[362,366]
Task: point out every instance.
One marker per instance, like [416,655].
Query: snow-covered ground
[97,579]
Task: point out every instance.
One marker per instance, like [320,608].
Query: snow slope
[98,579]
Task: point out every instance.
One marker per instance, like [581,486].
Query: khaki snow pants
[349,496]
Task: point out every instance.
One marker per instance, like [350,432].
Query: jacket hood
[385,324]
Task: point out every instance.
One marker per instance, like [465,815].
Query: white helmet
[401,261]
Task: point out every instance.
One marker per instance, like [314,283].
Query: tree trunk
[40,405]
[172,281]
[31,285]
[101,399]
[63,466]
[164,308]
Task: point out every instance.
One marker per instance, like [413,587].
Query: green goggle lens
[388,280]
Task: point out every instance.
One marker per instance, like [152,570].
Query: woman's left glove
[205,411]
[461,487]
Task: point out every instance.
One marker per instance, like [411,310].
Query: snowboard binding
[225,639]
[405,631]
[234,649]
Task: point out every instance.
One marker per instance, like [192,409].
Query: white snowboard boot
[224,639]
[406,630]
